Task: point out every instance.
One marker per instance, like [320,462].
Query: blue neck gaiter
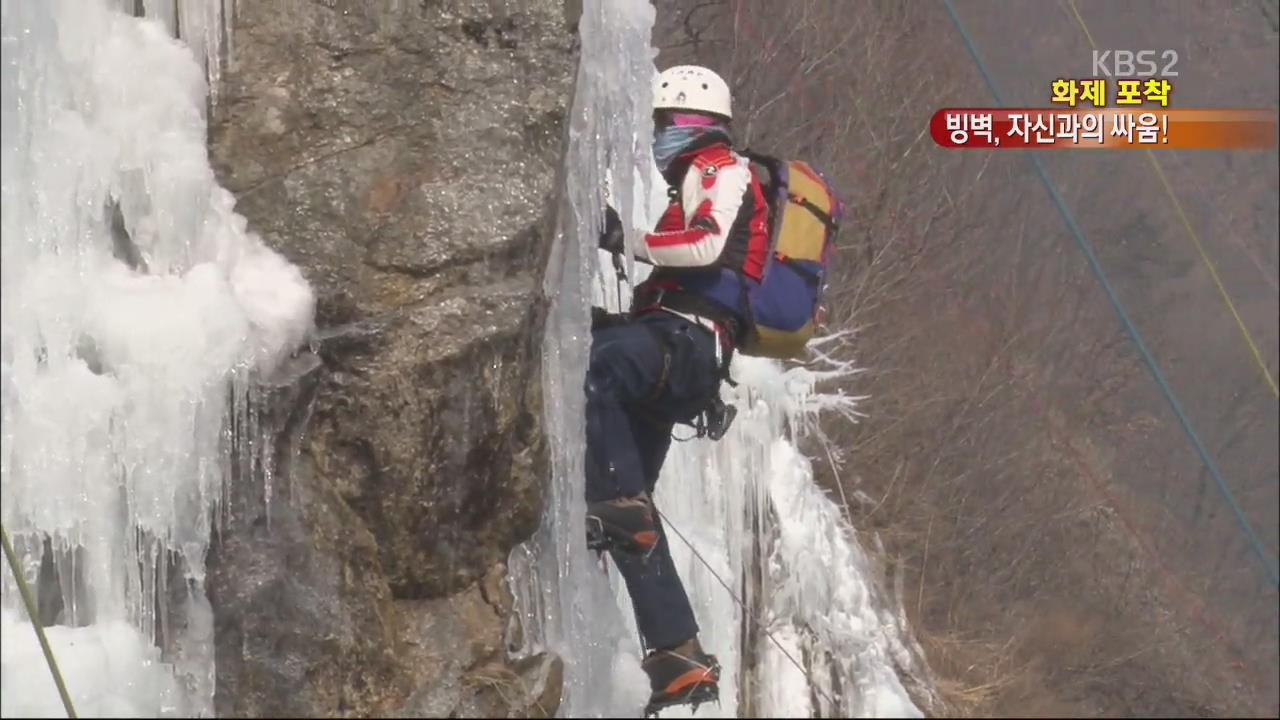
[669,142]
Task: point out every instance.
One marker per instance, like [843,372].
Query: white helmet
[691,87]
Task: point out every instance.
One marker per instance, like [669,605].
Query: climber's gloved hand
[611,239]
[602,319]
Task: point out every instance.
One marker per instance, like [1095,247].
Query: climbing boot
[682,675]
[627,524]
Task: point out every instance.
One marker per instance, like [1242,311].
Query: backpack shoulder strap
[822,215]
[764,167]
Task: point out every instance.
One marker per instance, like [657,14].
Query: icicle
[578,613]
[123,376]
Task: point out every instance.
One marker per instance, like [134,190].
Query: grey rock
[405,154]
[472,679]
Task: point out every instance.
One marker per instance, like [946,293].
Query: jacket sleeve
[711,196]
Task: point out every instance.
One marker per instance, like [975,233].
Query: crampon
[693,698]
[683,675]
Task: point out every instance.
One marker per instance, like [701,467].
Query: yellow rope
[1088,35]
[23,590]
[1195,238]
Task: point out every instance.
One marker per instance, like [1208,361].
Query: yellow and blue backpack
[805,212]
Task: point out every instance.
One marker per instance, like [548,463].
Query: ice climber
[662,363]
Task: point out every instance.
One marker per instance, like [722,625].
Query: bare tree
[1028,483]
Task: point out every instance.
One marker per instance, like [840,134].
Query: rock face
[404,154]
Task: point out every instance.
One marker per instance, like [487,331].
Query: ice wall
[568,606]
[136,308]
[775,558]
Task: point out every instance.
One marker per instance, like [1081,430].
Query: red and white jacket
[706,242]
[695,227]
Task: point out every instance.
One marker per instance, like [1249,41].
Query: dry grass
[974,671]
[513,690]
[499,680]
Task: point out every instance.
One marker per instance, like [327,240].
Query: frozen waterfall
[797,620]
[136,307]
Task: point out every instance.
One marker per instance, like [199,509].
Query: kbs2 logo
[1125,63]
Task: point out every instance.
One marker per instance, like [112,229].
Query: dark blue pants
[628,440]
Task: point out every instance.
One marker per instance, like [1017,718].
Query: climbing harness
[713,419]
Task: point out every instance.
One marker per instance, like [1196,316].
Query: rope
[807,675]
[1272,573]
[25,591]
[1195,239]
